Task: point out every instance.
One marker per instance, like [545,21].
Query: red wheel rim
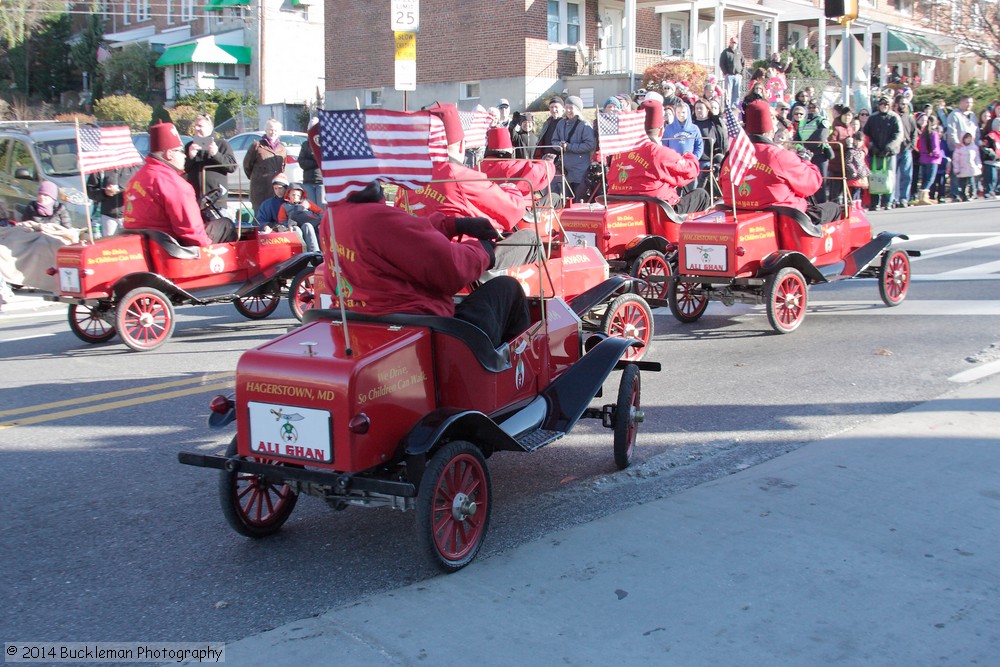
[459,507]
[654,267]
[305,293]
[688,303]
[90,324]
[147,319]
[897,277]
[258,303]
[260,502]
[790,301]
[631,321]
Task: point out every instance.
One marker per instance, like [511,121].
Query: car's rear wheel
[629,316]
[258,306]
[90,323]
[145,319]
[652,267]
[254,506]
[453,505]
[786,300]
[628,416]
[894,277]
[687,301]
[302,293]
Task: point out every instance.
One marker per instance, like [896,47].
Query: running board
[538,439]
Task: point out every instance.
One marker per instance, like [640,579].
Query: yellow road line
[64,414]
[115,394]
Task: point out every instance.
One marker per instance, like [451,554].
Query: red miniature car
[773,256]
[129,283]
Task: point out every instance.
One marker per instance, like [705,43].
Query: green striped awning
[908,42]
[205,51]
[219,5]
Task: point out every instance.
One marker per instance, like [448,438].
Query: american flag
[103,148]
[742,156]
[357,147]
[475,124]
[621,132]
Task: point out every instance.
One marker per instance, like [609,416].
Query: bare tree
[973,24]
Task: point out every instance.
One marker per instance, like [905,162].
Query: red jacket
[393,262]
[652,170]
[538,172]
[158,197]
[474,197]
[780,178]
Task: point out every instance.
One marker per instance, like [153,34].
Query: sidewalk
[880,546]
[27,302]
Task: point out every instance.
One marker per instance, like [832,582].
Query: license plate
[290,432]
[700,257]
[69,280]
[585,239]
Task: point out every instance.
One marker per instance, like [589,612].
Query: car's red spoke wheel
[258,306]
[629,316]
[252,505]
[628,416]
[453,505]
[652,267]
[91,323]
[786,300]
[302,293]
[687,301]
[894,277]
[145,319]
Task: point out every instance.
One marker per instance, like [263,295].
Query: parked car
[240,143]
[32,152]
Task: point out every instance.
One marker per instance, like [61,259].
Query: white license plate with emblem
[701,257]
[585,239]
[288,431]
[69,280]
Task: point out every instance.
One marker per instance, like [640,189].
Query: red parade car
[402,411]
[128,284]
[772,257]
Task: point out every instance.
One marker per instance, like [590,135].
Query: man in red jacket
[394,262]
[654,170]
[780,177]
[158,197]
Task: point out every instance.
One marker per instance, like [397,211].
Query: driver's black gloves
[488,247]
[477,228]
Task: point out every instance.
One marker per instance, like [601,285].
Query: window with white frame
[468,90]
[564,22]
[126,19]
[675,37]
[141,10]
[758,41]
[373,97]
[187,10]
[797,37]
[170,12]
[220,70]
[904,7]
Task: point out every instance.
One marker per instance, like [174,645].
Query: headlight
[72,196]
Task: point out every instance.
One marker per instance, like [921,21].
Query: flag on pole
[475,124]
[742,156]
[621,132]
[103,148]
[358,147]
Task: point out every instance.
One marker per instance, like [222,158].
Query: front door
[612,53]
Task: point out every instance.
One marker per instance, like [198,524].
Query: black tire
[258,306]
[686,305]
[628,416]
[894,277]
[787,297]
[144,319]
[88,323]
[302,293]
[253,506]
[629,316]
[651,265]
[453,505]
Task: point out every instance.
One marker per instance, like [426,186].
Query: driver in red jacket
[158,197]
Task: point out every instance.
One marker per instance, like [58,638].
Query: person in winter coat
[264,160]
[732,63]
[839,133]
[107,189]
[715,142]
[930,154]
[301,216]
[775,85]
[779,178]
[990,153]
[312,177]
[209,160]
[523,136]
[815,132]
[967,166]
[578,141]
[267,214]
[47,208]
[904,161]
[682,134]
[545,144]
[885,134]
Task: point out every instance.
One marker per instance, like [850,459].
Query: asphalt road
[107,538]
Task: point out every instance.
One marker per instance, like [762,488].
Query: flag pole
[83,183]
[336,274]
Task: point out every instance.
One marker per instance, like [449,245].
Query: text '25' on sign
[405,15]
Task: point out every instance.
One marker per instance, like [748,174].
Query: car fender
[644,243]
[587,301]
[131,281]
[778,260]
[286,269]
[861,258]
[445,424]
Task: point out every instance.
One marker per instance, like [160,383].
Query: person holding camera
[208,160]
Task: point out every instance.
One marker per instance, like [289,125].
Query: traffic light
[846,9]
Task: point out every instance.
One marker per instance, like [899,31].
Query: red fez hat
[163,137]
[448,113]
[498,139]
[654,114]
[757,117]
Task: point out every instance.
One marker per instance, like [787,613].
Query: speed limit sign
[405,15]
